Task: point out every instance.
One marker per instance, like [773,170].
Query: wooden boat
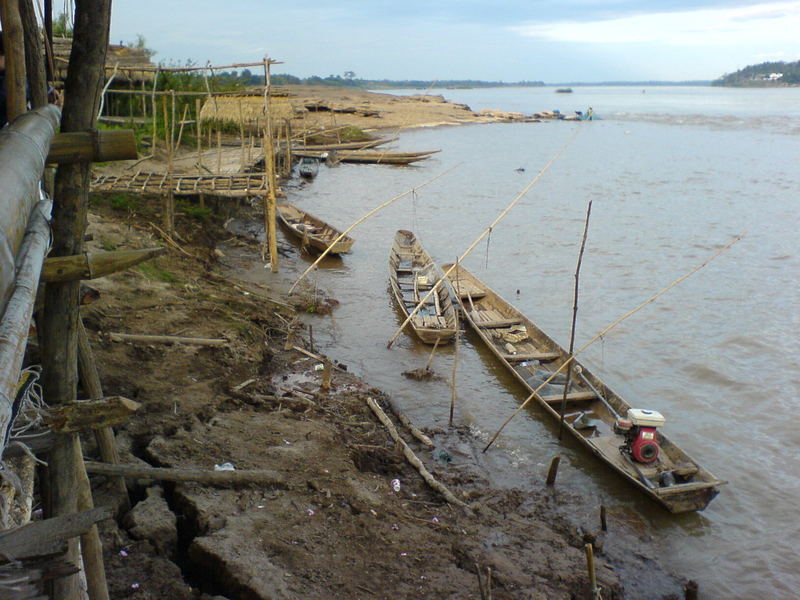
[308,167]
[411,275]
[564,91]
[312,231]
[370,156]
[672,478]
[363,145]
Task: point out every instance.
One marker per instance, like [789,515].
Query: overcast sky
[498,40]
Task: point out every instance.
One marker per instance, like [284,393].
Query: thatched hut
[133,63]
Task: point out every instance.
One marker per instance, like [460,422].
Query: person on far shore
[590,113]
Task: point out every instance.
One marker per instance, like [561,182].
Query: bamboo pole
[154,110]
[412,458]
[595,590]
[455,367]
[13,36]
[273,241]
[433,351]
[195,475]
[574,319]
[628,314]
[486,232]
[364,218]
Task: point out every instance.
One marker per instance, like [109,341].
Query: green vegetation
[153,273]
[123,202]
[62,27]
[201,214]
[768,74]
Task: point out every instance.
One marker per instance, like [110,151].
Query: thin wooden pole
[486,232]
[273,184]
[455,367]
[628,314]
[34,60]
[14,43]
[364,218]
[595,591]
[552,472]
[154,110]
[574,319]
[433,351]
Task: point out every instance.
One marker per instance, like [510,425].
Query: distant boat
[412,273]
[371,156]
[564,91]
[308,167]
[624,438]
[312,231]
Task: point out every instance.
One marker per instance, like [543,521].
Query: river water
[674,173]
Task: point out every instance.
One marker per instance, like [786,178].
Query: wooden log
[519,357]
[92,146]
[34,59]
[59,320]
[97,264]
[498,323]
[193,475]
[412,458]
[41,538]
[14,44]
[165,339]
[85,415]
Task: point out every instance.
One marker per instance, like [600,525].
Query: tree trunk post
[59,323]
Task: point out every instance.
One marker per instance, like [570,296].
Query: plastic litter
[319,367]
[396,485]
[226,466]
[123,553]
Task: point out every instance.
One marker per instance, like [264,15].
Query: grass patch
[153,273]
[201,214]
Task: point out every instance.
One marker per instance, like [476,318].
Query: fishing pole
[364,218]
[486,232]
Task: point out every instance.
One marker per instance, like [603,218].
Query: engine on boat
[639,429]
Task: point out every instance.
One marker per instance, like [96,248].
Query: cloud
[773,23]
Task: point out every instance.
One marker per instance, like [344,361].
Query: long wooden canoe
[312,231]
[363,145]
[411,275]
[674,479]
[369,156]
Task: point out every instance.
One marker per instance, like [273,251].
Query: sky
[492,40]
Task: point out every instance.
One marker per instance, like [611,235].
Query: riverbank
[332,523]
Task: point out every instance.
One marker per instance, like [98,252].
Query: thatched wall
[249,110]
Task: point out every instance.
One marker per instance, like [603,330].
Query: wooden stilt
[553,471]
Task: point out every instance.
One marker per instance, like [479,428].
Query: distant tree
[349,75]
[141,43]
[62,26]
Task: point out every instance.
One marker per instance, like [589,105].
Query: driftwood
[165,339]
[91,266]
[91,414]
[412,458]
[221,478]
[413,429]
[41,538]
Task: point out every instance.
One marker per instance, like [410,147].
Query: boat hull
[412,273]
[532,357]
[312,231]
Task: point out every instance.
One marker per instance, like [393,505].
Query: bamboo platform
[235,186]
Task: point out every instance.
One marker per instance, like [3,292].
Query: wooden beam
[498,323]
[531,356]
[93,146]
[84,415]
[45,537]
[221,478]
[97,264]
[573,397]
[165,339]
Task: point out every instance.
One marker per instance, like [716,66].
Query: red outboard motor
[639,430]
